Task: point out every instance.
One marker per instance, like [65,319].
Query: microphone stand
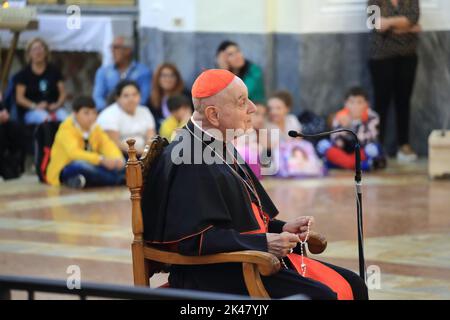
[358,187]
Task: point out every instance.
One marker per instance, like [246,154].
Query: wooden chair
[148,260]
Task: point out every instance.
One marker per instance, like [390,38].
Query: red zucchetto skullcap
[211,82]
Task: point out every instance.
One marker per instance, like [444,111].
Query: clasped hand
[294,231]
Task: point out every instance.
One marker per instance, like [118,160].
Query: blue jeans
[40,116]
[96,176]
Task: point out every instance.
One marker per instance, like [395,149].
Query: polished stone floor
[43,230]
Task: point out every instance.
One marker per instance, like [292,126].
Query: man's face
[356,105]
[86,117]
[120,52]
[236,112]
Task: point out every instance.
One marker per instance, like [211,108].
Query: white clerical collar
[200,128]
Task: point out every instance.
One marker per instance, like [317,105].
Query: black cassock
[201,209]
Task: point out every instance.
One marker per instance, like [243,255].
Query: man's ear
[212,115]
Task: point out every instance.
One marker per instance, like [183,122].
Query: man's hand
[299,226]
[417,28]
[4,116]
[280,245]
[53,107]
[120,164]
[110,164]
[385,24]
[42,105]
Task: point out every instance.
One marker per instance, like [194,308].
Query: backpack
[43,139]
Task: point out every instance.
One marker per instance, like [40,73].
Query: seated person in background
[126,119]
[361,119]
[83,155]
[124,68]
[285,152]
[230,57]
[280,104]
[12,145]
[180,113]
[40,92]
[167,82]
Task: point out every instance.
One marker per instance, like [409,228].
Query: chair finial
[132,154]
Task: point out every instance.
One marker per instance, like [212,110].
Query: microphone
[358,184]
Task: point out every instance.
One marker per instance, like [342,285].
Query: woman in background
[280,116]
[40,92]
[167,82]
[229,56]
[393,64]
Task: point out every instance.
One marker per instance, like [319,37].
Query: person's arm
[406,22]
[151,129]
[144,81]
[74,152]
[110,124]
[99,92]
[61,97]
[115,137]
[108,148]
[24,101]
[217,240]
[276,226]
[150,134]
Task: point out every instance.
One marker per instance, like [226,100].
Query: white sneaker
[406,155]
[77,182]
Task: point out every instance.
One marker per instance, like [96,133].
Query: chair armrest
[266,262]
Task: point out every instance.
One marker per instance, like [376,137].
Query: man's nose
[252,107]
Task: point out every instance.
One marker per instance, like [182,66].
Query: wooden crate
[439,154]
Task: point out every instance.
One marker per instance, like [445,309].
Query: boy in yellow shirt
[180,112]
[82,154]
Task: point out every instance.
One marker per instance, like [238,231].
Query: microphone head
[293,134]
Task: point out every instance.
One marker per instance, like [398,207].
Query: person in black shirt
[12,145]
[40,92]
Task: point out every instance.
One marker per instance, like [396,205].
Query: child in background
[361,119]
[180,113]
[82,154]
[289,163]
[253,145]
[280,117]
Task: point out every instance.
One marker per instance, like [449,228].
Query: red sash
[324,274]
[314,269]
